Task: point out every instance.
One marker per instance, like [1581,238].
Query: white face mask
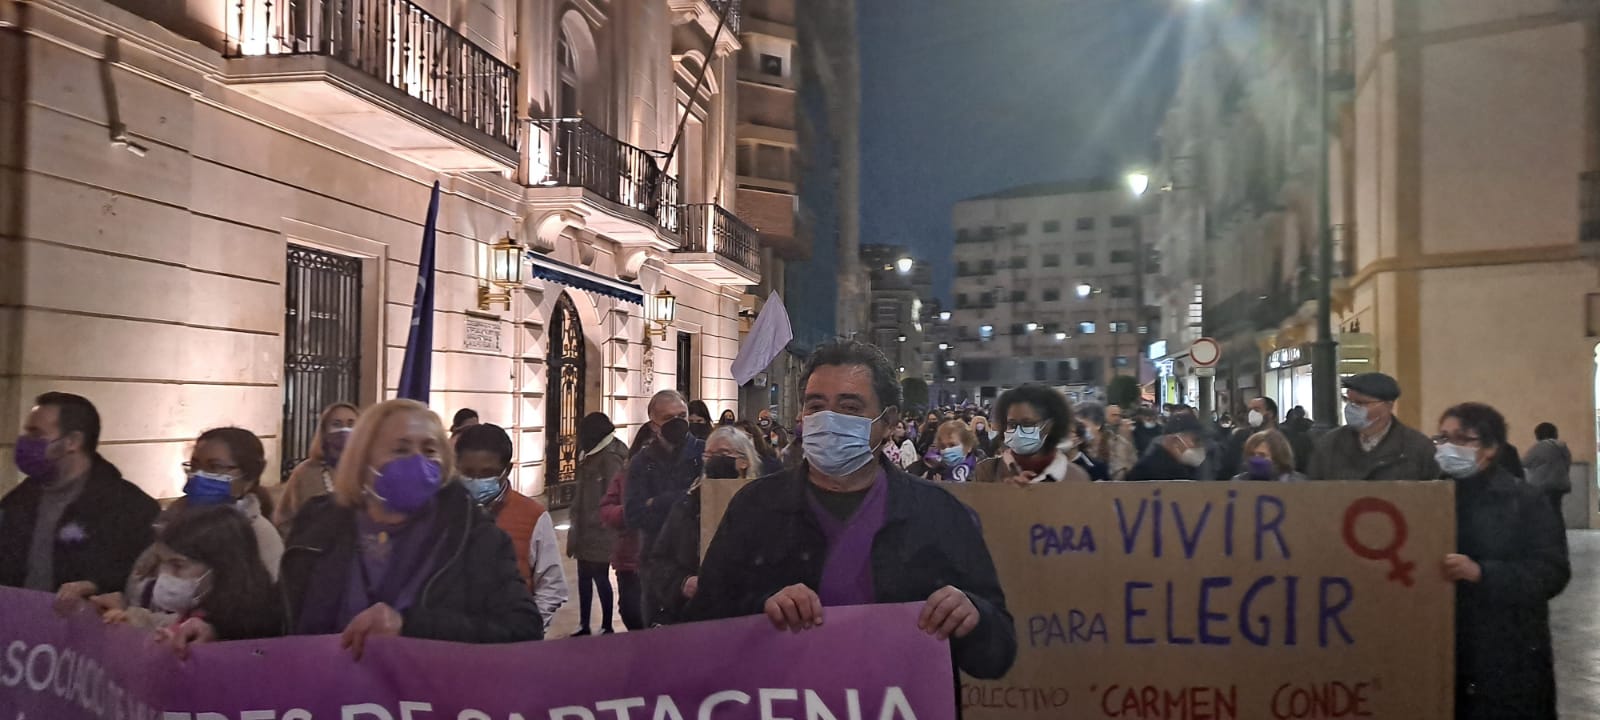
[1457,461]
[1193,457]
[1256,418]
[176,594]
[1356,416]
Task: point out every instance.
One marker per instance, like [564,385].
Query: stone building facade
[211,214]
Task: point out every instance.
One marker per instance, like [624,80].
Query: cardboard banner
[1221,600]
[79,669]
[714,498]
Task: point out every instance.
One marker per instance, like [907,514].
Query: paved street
[1575,623]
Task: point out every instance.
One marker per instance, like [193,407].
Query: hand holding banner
[868,663]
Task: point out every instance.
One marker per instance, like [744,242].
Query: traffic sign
[1205,352]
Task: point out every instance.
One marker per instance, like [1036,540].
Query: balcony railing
[394,41]
[729,236]
[582,155]
[732,8]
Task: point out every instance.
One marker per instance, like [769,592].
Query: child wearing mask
[208,569]
[483,460]
[672,569]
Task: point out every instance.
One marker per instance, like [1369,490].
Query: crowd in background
[395,525]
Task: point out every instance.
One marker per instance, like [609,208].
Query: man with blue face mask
[483,460]
[835,530]
[1372,444]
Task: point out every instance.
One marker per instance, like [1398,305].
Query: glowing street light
[903,265]
[1084,289]
[1030,327]
[1061,336]
[945,317]
[1138,182]
[944,346]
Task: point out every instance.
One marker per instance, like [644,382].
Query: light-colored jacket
[1003,468]
[308,480]
[1549,466]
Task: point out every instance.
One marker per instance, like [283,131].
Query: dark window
[1064,370]
[986,234]
[1019,296]
[1086,223]
[963,236]
[1085,259]
[962,269]
[1019,262]
[322,343]
[1122,256]
[564,391]
[988,299]
[1052,226]
[1052,294]
[975,370]
[1121,221]
[987,267]
[1052,261]
[1019,229]
[1121,292]
[1041,371]
[685,366]
[771,65]
[1016,328]
[961,300]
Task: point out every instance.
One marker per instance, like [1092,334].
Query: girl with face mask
[399,548]
[671,572]
[207,575]
[1510,560]
[1036,420]
[314,475]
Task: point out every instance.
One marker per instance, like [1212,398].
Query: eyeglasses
[1461,439]
[1363,403]
[190,468]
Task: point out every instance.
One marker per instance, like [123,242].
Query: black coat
[473,594]
[1143,436]
[1503,656]
[674,558]
[1158,464]
[1298,433]
[1402,454]
[769,539]
[116,518]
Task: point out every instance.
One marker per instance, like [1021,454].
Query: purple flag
[768,337]
[868,662]
[416,372]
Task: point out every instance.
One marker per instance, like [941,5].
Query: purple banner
[866,663]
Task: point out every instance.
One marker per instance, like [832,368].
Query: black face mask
[700,430]
[722,467]
[673,433]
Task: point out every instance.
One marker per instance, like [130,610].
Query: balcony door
[567,79]
[321,343]
[564,402]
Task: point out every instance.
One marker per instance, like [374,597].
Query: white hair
[741,443]
[661,397]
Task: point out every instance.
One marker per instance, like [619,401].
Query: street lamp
[944,317]
[944,346]
[1061,336]
[663,307]
[1084,289]
[903,265]
[1030,327]
[1138,182]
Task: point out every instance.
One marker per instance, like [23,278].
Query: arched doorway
[563,400]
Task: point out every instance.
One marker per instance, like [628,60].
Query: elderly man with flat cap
[1373,444]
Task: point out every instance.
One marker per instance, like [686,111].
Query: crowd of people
[395,525]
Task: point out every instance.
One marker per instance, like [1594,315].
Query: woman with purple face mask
[1267,456]
[314,475]
[397,549]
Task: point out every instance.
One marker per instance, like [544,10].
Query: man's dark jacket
[1402,454]
[100,534]
[769,539]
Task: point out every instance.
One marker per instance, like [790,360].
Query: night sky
[965,97]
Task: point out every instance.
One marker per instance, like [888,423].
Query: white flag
[767,338]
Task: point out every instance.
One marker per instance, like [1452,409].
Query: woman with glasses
[672,569]
[224,470]
[1510,560]
[1035,419]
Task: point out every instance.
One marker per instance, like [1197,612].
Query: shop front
[1288,377]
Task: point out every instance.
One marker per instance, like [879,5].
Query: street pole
[1324,352]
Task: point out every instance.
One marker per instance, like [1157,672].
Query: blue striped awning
[548,268]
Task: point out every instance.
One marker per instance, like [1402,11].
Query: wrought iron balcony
[394,42]
[719,246]
[612,177]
